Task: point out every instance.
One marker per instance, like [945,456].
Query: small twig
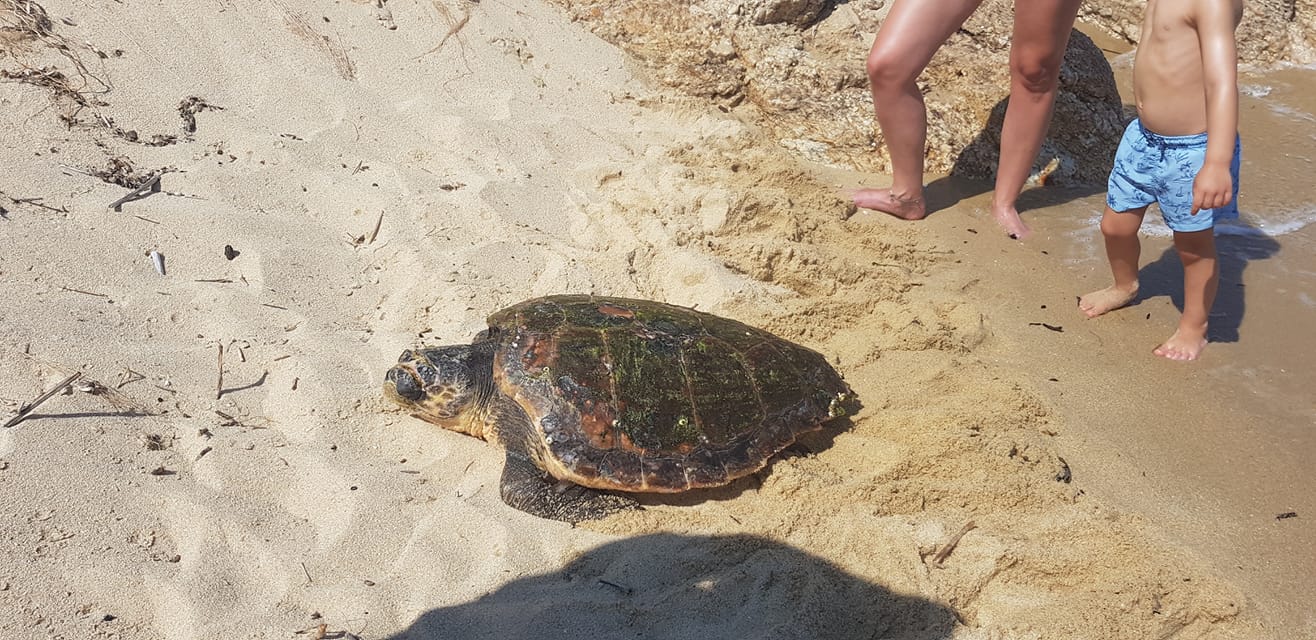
[375,233]
[150,186]
[889,265]
[128,376]
[24,410]
[943,553]
[36,202]
[452,31]
[308,573]
[89,293]
[219,382]
[68,168]
[625,590]
[146,219]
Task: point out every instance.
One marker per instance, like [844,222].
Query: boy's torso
[1168,79]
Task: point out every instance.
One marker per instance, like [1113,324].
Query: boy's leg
[1123,248]
[909,36]
[1200,278]
[1041,32]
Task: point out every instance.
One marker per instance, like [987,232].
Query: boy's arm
[1215,23]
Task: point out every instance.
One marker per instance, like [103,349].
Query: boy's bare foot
[1183,345]
[903,207]
[1108,299]
[1008,218]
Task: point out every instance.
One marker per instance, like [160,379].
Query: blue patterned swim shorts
[1150,167]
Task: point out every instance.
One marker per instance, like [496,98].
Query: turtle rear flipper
[524,487]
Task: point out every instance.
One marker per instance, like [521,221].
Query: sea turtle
[593,397]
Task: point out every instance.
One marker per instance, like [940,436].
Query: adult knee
[1034,73]
[889,72]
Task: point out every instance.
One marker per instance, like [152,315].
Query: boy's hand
[1213,187]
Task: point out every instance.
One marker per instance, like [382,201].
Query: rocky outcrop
[796,68]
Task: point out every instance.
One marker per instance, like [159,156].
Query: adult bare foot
[903,207]
[1008,217]
[1108,299]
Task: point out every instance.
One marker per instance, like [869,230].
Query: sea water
[1265,310]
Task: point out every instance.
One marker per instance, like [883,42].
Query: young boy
[1181,152]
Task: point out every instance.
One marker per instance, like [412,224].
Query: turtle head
[440,385]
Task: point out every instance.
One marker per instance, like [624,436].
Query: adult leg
[1200,278]
[909,36]
[1120,229]
[1041,33]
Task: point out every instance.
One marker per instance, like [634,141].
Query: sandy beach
[342,181]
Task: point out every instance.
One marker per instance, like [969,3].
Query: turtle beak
[402,385]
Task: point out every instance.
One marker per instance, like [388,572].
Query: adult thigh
[910,35]
[1041,32]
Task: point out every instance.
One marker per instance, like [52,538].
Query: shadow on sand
[963,182]
[675,586]
[1235,248]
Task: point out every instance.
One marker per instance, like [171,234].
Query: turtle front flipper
[525,487]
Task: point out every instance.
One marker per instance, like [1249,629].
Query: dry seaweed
[76,90]
[120,171]
[189,107]
[28,20]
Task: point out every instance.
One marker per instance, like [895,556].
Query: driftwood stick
[150,186]
[24,410]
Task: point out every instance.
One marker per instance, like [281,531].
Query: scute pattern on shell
[637,395]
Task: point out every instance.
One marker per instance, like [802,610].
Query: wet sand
[1217,452]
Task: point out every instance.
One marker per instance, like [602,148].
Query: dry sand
[381,191]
